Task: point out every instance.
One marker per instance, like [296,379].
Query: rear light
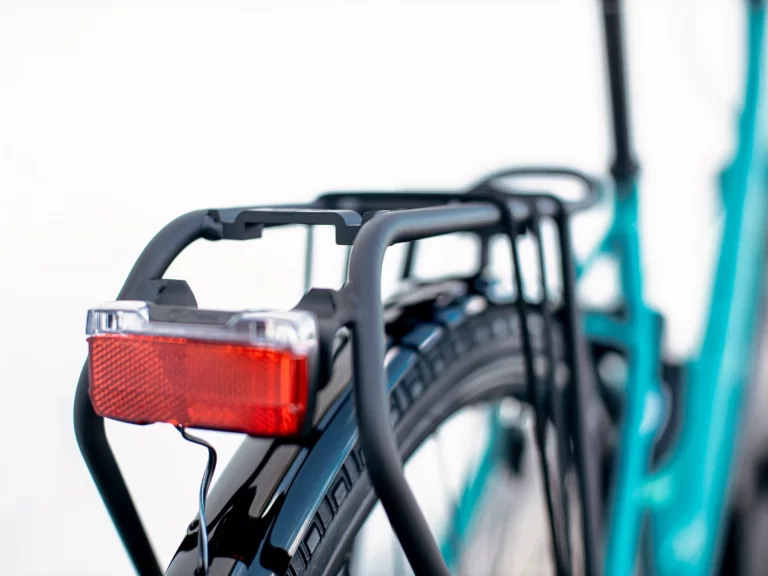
[251,372]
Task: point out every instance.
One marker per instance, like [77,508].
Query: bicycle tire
[435,368]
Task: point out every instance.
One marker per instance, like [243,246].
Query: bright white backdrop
[117,116]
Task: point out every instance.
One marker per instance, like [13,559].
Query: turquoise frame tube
[686,498]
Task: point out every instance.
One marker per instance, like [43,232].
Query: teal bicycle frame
[685,499]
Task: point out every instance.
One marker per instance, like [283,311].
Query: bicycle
[336,393]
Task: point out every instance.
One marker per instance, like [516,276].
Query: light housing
[250,371]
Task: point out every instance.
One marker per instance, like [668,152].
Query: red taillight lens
[259,385]
[146,379]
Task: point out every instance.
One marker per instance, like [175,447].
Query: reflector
[248,372]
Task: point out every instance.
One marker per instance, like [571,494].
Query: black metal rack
[370,223]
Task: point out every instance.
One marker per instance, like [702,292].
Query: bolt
[192,528]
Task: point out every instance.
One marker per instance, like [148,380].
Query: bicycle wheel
[299,513]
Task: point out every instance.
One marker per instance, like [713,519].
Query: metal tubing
[624,165]
[593,187]
[166,245]
[409,261]
[376,435]
[308,254]
[89,426]
[500,200]
[584,438]
[540,416]
[555,394]
[98,456]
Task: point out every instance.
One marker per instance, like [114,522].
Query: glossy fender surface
[275,500]
[241,506]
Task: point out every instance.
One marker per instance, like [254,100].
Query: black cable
[202,528]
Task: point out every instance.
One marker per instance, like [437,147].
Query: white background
[115,117]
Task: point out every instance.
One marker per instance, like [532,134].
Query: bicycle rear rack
[370,223]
